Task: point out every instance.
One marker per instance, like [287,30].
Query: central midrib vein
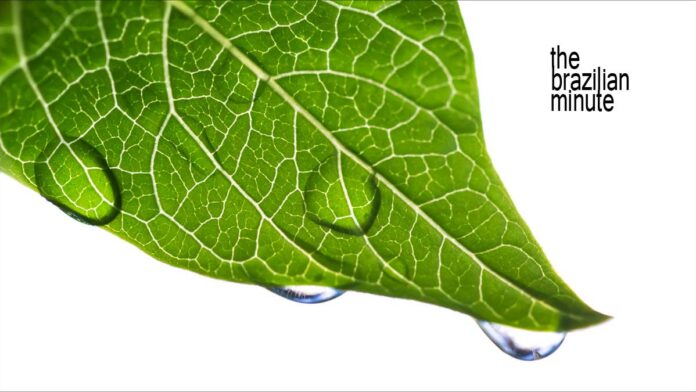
[263,75]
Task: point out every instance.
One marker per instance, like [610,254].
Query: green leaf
[277,143]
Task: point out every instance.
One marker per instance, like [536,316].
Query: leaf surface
[277,143]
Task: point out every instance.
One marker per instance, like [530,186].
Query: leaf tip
[584,320]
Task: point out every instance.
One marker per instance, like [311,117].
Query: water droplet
[75,177]
[247,88]
[307,294]
[342,196]
[521,343]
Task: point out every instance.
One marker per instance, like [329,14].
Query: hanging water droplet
[75,177]
[307,294]
[342,196]
[521,343]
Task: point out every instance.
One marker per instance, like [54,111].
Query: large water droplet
[307,294]
[75,177]
[342,196]
[521,343]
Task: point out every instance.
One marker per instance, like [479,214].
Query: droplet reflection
[521,343]
[342,196]
[75,177]
[307,294]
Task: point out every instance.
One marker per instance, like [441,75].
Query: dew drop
[307,294]
[521,343]
[247,88]
[342,196]
[75,177]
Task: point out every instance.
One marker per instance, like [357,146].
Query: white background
[610,196]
